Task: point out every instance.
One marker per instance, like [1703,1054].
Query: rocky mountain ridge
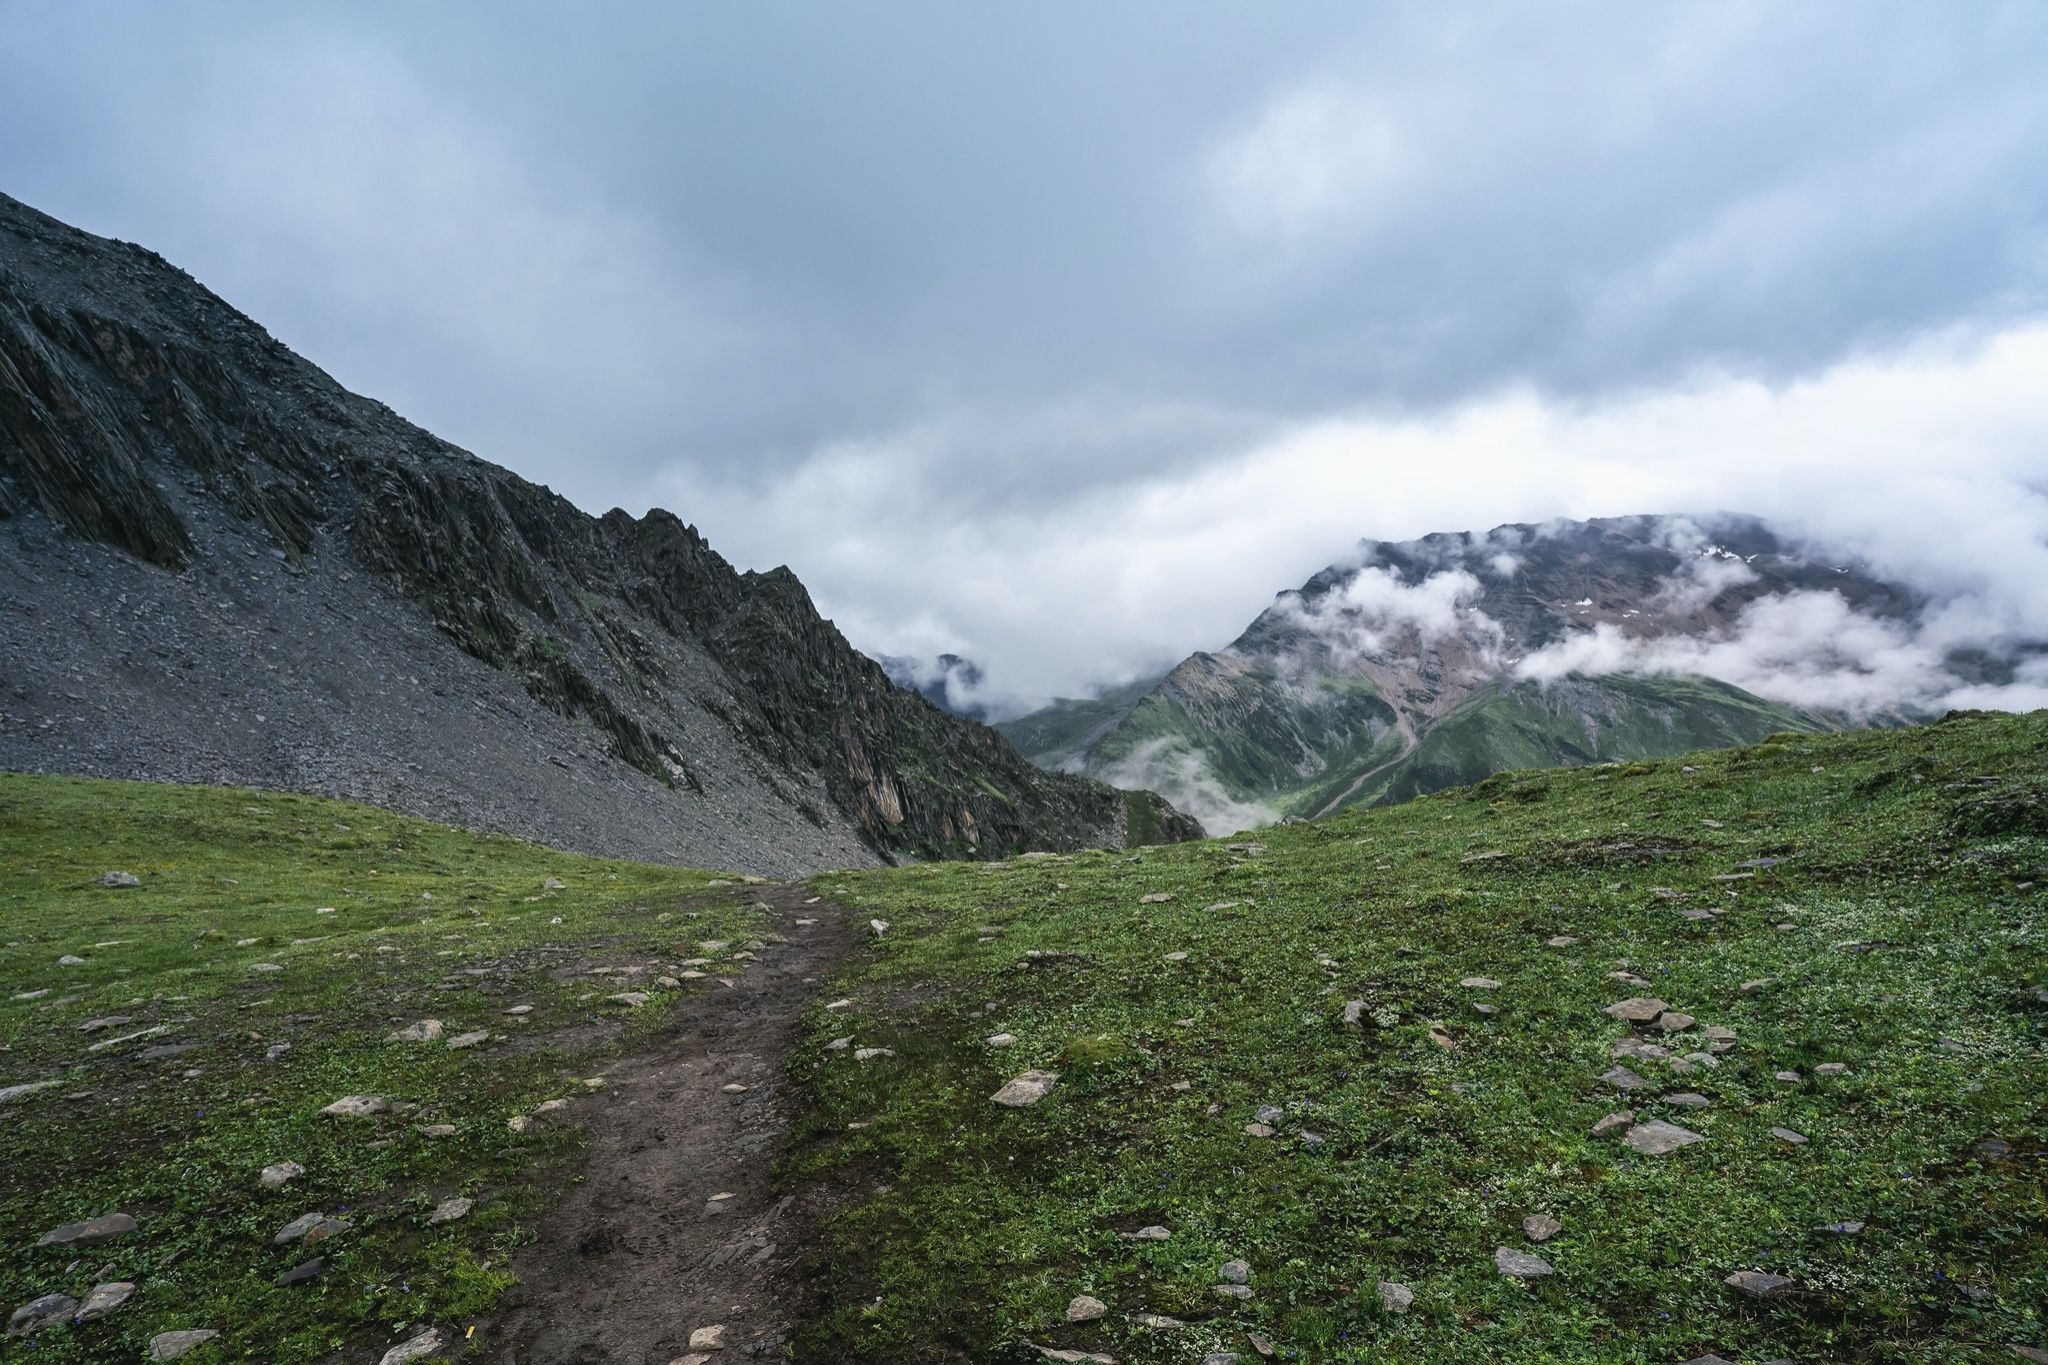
[220,565]
[1413,666]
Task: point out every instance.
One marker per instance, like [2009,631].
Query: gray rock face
[1520,1265]
[104,1299]
[1790,1138]
[356,1107]
[1637,1009]
[1395,1297]
[425,1344]
[1658,1138]
[448,1210]
[9,1094]
[158,448]
[39,1313]
[117,879]
[1541,1227]
[425,1031]
[1026,1090]
[1234,1272]
[1758,1284]
[1619,1119]
[90,1233]
[1085,1308]
[1621,1078]
[171,1345]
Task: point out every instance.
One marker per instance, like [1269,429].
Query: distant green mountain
[1403,670]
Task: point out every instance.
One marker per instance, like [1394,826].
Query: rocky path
[675,1233]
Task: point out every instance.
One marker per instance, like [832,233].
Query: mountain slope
[216,564]
[1403,670]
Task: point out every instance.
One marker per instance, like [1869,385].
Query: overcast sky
[1064,335]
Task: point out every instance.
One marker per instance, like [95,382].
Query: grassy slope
[1066,727]
[1905,938]
[1528,726]
[179,1141]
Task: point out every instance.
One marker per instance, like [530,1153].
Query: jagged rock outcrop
[218,564]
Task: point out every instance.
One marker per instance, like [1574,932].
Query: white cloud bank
[1929,462]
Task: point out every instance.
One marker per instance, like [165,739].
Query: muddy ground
[674,1226]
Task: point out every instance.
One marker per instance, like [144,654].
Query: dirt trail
[638,1255]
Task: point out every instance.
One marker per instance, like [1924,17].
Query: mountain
[1410,668]
[218,565]
[948,682]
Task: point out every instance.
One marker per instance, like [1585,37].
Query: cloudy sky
[1065,335]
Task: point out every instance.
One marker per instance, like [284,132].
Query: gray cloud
[1062,338]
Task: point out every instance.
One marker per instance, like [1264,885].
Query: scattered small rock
[1621,1078]
[1026,1090]
[171,1345]
[1658,1138]
[1151,1233]
[1620,1118]
[448,1210]
[1395,1297]
[277,1176]
[1085,1308]
[119,879]
[1758,1284]
[302,1274]
[1479,983]
[356,1107]
[1156,898]
[39,1313]
[474,1038]
[425,1031]
[1790,1138]
[104,1299]
[425,1344]
[1637,1009]
[710,1338]
[1520,1265]
[90,1233]
[1234,1272]
[1541,1227]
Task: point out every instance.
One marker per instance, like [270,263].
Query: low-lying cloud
[1181,775]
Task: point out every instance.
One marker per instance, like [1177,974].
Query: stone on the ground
[1220,1358]
[1395,1297]
[1658,1138]
[1520,1265]
[1151,1233]
[1752,987]
[880,926]
[1787,1136]
[1621,1078]
[308,1228]
[277,1176]
[1073,1357]
[437,1130]
[520,1009]
[868,1054]
[425,1031]
[1479,983]
[1354,1012]
[1541,1227]
[1758,1284]
[425,1344]
[1157,1321]
[304,1273]
[552,884]
[1637,1009]
[1710,1360]
[38,1313]
[1023,1091]
[70,960]
[1232,1291]
[1000,1039]
[1085,1308]
[90,1233]
[1671,1021]
[1847,1228]
[1688,1099]
[473,1038]
[1832,1069]
[1176,957]
[710,1338]
[448,1210]
[1156,898]
[10,1094]
[356,1107]
[632,1000]
[104,1299]
[1258,1130]
[1234,1272]
[1620,1118]
[735,1088]
[171,1345]
[119,879]
[105,1022]
[1560,941]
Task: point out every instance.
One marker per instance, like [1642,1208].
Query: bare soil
[639,1254]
